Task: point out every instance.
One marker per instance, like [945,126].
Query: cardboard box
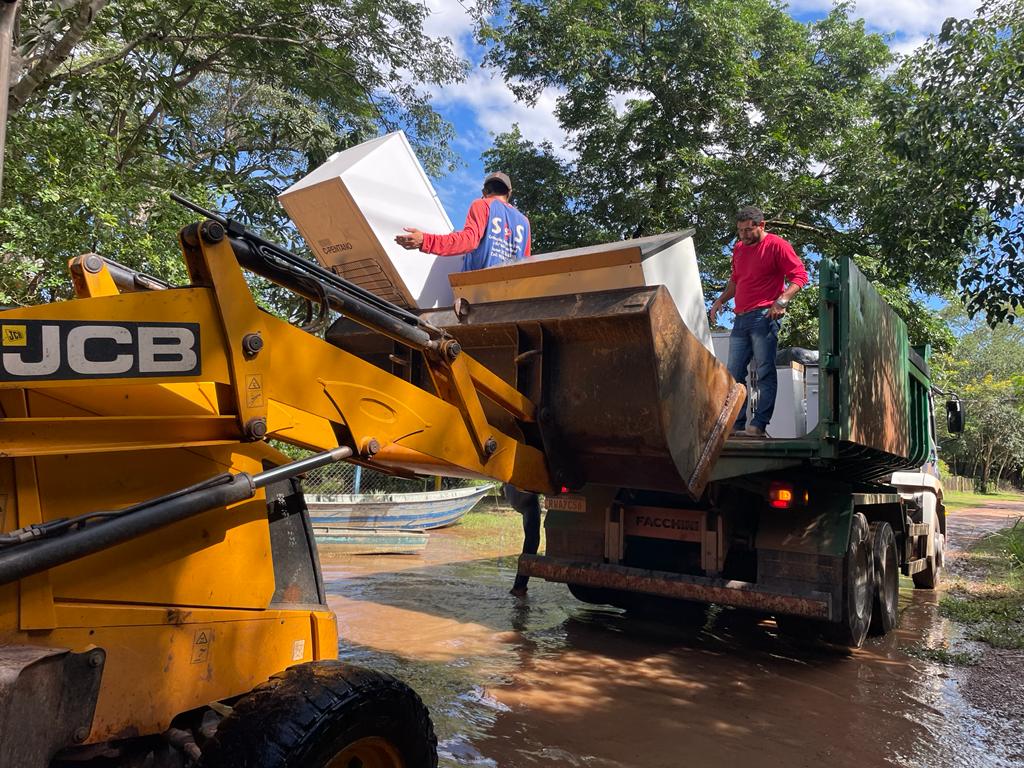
[350,209]
[668,260]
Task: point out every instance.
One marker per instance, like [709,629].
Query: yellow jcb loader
[161,602]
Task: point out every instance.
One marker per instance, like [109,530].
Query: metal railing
[343,478]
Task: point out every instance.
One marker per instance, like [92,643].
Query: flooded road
[550,681]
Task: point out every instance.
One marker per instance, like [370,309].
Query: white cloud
[496,109]
[905,18]
[909,45]
[449,18]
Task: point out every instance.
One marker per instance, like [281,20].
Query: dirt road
[553,682]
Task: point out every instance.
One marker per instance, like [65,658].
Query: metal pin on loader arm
[25,559]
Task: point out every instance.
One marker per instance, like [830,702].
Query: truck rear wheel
[885,605]
[858,589]
[325,714]
[592,595]
[930,577]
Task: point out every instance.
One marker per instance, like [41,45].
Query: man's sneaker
[752,431]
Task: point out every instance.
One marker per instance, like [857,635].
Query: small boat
[332,539]
[406,511]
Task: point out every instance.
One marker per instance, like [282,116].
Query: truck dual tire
[857,589]
[885,605]
[325,714]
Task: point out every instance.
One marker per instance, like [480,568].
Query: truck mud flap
[740,594]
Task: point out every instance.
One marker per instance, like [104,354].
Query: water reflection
[553,682]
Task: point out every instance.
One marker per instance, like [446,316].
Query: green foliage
[993,609]
[546,188]
[983,368]
[113,105]
[953,121]
[941,654]
[681,113]
[994,616]
[63,199]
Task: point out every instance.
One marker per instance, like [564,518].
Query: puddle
[552,681]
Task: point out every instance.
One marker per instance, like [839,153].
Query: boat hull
[406,511]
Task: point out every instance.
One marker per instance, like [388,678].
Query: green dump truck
[658,502]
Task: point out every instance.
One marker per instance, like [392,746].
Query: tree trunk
[48,62]
[8,16]
[1002,466]
[986,468]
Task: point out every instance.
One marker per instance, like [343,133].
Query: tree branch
[49,62]
[103,61]
[179,81]
[800,226]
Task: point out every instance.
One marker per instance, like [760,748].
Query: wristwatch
[782,302]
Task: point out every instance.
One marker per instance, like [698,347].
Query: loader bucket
[627,395]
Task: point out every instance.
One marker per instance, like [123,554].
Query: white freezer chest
[350,209]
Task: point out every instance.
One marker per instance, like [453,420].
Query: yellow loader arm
[239,374]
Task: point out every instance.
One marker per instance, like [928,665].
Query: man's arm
[727,293]
[454,244]
[796,276]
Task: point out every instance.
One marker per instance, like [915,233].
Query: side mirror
[954,416]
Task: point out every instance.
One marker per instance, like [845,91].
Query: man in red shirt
[762,265]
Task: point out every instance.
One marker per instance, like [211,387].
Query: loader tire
[885,605]
[325,714]
[857,589]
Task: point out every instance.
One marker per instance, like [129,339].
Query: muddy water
[553,682]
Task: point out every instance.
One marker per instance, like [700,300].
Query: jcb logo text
[70,349]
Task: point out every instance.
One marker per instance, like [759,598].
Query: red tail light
[780,495]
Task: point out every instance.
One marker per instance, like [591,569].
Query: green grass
[992,609]
[955,500]
[942,655]
[492,520]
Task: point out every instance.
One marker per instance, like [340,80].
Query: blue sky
[482,106]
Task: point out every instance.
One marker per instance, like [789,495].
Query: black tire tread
[270,726]
[882,621]
[842,633]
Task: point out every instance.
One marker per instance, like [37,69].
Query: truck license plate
[566,502]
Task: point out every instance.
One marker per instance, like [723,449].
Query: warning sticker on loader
[254,390]
[201,645]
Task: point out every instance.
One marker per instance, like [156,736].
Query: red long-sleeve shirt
[760,272]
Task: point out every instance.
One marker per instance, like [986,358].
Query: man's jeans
[528,505]
[755,335]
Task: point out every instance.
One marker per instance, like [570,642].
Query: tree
[953,119]
[679,113]
[113,105]
[547,189]
[984,369]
